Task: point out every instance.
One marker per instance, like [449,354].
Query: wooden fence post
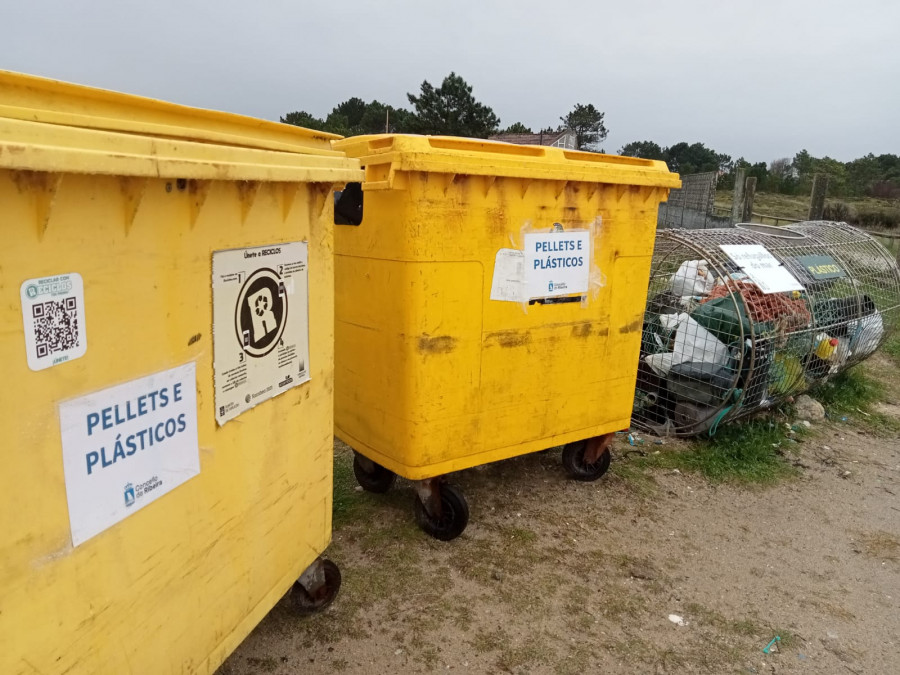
[749,194]
[817,198]
[737,201]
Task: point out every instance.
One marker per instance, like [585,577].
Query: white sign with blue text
[557,263]
[127,446]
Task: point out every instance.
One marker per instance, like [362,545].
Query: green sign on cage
[822,266]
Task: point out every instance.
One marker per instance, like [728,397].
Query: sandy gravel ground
[554,576]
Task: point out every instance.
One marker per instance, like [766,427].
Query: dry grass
[797,206]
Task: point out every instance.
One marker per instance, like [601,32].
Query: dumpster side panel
[175,586]
[546,375]
[396,351]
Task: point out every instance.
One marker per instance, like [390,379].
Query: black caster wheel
[454,515]
[378,480]
[577,468]
[306,602]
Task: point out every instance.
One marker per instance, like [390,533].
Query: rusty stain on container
[633,327]
[440,344]
[508,338]
[582,330]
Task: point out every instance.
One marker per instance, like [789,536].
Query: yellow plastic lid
[447,154]
[52,126]
[40,99]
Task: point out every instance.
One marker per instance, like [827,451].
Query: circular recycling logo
[261,312]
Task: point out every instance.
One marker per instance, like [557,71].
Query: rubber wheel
[305,603]
[577,468]
[454,515]
[379,481]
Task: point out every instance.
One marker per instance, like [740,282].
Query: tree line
[451,109]
[869,176]
[448,110]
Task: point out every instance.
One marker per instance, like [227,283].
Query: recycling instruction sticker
[260,324]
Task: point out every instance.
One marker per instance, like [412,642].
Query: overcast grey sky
[761,79]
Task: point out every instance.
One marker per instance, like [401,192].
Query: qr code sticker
[55,326]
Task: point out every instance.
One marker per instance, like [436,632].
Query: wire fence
[692,206]
[763,218]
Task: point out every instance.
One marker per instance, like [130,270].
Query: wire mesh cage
[740,319]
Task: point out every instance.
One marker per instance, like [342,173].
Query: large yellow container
[432,375]
[135,195]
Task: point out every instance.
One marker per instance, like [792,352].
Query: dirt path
[554,576]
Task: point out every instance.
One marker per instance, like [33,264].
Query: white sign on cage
[762,267]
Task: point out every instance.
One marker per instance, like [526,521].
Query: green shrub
[839,212]
[885,218]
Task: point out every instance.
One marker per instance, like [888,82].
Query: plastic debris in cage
[738,320]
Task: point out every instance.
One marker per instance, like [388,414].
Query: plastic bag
[786,375]
[866,335]
[701,383]
[724,318]
[692,278]
[692,343]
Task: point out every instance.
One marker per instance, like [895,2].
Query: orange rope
[788,313]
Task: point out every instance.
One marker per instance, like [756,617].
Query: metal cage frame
[715,347]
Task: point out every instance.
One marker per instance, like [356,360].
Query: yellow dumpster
[488,303]
[166,302]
